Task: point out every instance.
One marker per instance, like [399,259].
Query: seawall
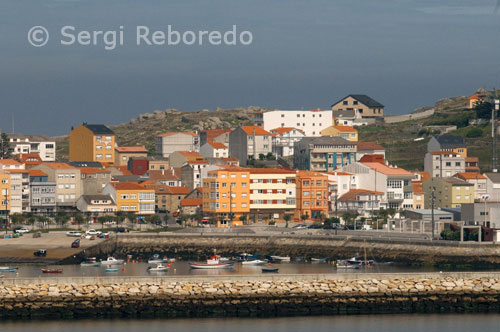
[254,296]
[409,250]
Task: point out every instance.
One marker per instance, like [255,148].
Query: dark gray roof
[494,177]
[364,99]
[94,164]
[450,141]
[89,198]
[344,114]
[455,181]
[99,129]
[326,140]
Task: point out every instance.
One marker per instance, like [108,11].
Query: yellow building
[92,142]
[449,192]
[5,194]
[226,191]
[345,132]
[131,197]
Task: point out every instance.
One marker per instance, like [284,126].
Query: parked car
[74,234]
[103,236]
[37,234]
[21,230]
[121,230]
[40,253]
[315,226]
[75,244]
[301,226]
[92,232]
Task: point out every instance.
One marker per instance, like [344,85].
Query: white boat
[158,268]
[8,269]
[281,258]
[112,261]
[156,259]
[346,265]
[254,262]
[213,262]
[318,260]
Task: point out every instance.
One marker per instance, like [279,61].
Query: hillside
[397,138]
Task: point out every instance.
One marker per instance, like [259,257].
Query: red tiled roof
[250,130]
[131,149]
[59,166]
[162,174]
[128,186]
[345,128]
[212,133]
[423,175]
[93,170]
[417,188]
[9,162]
[217,145]
[173,133]
[191,154]
[352,194]
[123,169]
[369,146]
[191,202]
[284,130]
[270,171]
[384,169]
[164,189]
[27,159]
[470,176]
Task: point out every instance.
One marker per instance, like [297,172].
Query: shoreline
[249,296]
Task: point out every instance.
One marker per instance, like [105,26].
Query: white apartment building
[310,122]
[23,144]
[284,139]
[214,150]
[176,141]
[16,191]
[443,163]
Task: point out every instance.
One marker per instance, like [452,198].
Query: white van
[367,228]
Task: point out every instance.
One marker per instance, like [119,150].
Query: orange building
[92,142]
[226,192]
[5,193]
[312,195]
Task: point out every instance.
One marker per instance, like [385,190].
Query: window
[243,205]
[243,185]
[244,195]
[306,194]
[457,163]
[298,115]
[108,156]
[306,203]
[124,196]
[233,185]
[282,115]
[233,175]
[448,164]
[133,196]
[244,175]
[99,147]
[345,102]
[98,156]
[458,197]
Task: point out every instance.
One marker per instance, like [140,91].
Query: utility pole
[494,134]
[433,198]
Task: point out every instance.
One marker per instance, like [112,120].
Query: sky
[303,55]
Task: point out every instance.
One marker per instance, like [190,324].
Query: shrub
[474,132]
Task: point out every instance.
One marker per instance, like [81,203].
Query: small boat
[8,269]
[356,261]
[345,265]
[245,257]
[319,260]
[87,263]
[158,268]
[270,270]
[111,270]
[91,259]
[156,259]
[112,261]
[281,258]
[212,263]
[299,259]
[52,270]
[254,262]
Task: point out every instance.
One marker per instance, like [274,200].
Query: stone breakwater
[249,296]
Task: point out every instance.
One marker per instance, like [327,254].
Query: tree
[483,110]
[474,132]
[119,217]
[304,217]
[243,219]
[131,217]
[262,156]
[17,218]
[270,156]
[78,218]
[330,221]
[153,219]
[61,218]
[5,150]
[104,219]
[350,217]
[287,218]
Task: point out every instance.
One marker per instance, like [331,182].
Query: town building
[168,198]
[10,164]
[214,150]
[344,118]
[215,135]
[472,164]
[93,180]
[68,182]
[474,100]
[192,173]
[284,139]
[311,122]
[226,196]
[395,183]
[478,180]
[92,142]
[369,148]
[272,194]
[16,191]
[30,159]
[312,195]
[323,154]
[169,177]
[443,163]
[418,196]
[176,141]
[42,193]
[364,106]
[101,204]
[138,165]
[362,201]
[449,192]
[191,206]
[158,163]
[5,194]
[448,143]
[131,197]
[493,186]
[345,132]
[42,145]
[124,153]
[482,213]
[179,158]
[248,142]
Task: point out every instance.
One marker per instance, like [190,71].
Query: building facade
[312,195]
[214,150]
[449,192]
[92,142]
[284,139]
[448,143]
[96,203]
[248,142]
[323,154]
[310,122]
[124,153]
[364,106]
[443,163]
[362,201]
[176,141]
[131,197]
[346,132]
[39,144]
[68,183]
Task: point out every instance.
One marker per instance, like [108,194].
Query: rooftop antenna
[494,133]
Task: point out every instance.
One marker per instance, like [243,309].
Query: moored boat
[356,261]
[270,270]
[111,270]
[112,261]
[156,259]
[158,268]
[345,265]
[319,260]
[281,258]
[84,264]
[52,270]
[253,262]
[213,262]
[8,269]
